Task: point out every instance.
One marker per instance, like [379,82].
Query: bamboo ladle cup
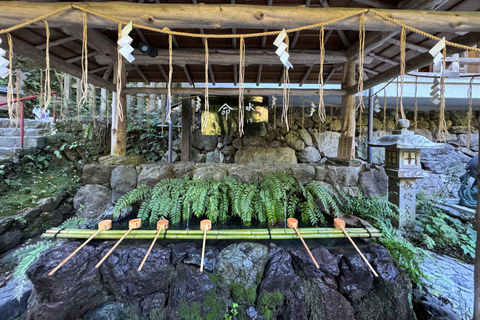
[102,225]
[204,225]
[161,225]
[132,224]
[340,224]
[293,223]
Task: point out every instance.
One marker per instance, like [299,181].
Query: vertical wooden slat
[186,128]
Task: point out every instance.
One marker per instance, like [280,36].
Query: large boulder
[130,160]
[10,307]
[342,176]
[204,142]
[266,155]
[182,169]
[294,141]
[305,136]
[91,200]
[215,172]
[96,173]
[309,154]
[152,174]
[326,143]
[304,173]
[242,173]
[9,240]
[123,180]
[373,181]
[72,291]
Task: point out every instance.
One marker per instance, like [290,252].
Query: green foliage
[187,312]
[437,230]
[148,141]
[77,223]
[278,196]
[231,312]
[268,304]
[378,211]
[241,294]
[25,257]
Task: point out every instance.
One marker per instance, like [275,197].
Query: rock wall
[266,282]
[105,182]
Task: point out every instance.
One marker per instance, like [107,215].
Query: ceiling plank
[26,50]
[233,16]
[233,91]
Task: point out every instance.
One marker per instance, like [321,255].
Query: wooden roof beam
[305,75]
[229,16]
[164,73]
[99,69]
[96,40]
[232,56]
[259,74]
[187,74]
[144,77]
[233,91]
[78,58]
[408,45]
[56,42]
[414,63]
[211,74]
[341,34]
[376,4]
[383,59]
[26,50]
[330,74]
[235,74]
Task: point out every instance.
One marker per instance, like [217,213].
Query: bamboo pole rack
[225,234]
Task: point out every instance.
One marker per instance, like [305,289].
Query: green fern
[25,257]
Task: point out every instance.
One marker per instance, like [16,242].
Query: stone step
[15,132]
[28,124]
[28,142]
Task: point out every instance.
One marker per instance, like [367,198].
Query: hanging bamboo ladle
[102,225]
[132,224]
[204,225]
[161,225]
[340,224]
[293,223]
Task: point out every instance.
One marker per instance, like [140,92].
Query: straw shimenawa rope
[403,40]
[415,115]
[241,102]
[84,82]
[469,114]
[361,56]
[11,114]
[286,89]
[170,74]
[48,89]
[442,126]
[321,104]
[118,100]
[207,104]
[384,110]
[396,103]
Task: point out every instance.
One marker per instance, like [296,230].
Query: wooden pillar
[119,125]
[346,144]
[152,99]
[79,91]
[186,128]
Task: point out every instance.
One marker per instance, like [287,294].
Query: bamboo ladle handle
[340,224]
[293,223]
[132,224]
[204,225]
[161,225]
[102,225]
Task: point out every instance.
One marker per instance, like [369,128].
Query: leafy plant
[378,211]
[437,230]
[277,197]
[25,257]
[231,312]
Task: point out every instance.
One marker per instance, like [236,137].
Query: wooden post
[141,112]
[67,95]
[103,104]
[476,275]
[346,145]
[119,125]
[152,98]
[186,128]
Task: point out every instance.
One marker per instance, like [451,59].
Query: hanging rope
[286,89]
[207,105]
[48,89]
[118,100]
[17,86]
[321,105]
[396,103]
[415,115]
[442,126]
[11,114]
[469,114]
[303,115]
[385,110]
[241,77]
[361,56]
[84,82]
[170,74]
[403,40]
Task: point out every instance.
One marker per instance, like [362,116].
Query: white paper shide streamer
[4,71]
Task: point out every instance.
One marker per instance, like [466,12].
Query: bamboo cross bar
[102,225]
[293,223]
[132,224]
[340,224]
[204,225]
[161,225]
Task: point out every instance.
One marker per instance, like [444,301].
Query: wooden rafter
[259,74]
[305,75]
[56,42]
[137,68]
[232,91]
[78,58]
[187,74]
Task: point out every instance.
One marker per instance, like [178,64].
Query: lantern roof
[405,139]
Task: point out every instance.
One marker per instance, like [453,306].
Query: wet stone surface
[267,282]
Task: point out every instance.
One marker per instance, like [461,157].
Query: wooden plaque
[345,148]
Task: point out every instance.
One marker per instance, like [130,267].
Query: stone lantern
[403,168]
